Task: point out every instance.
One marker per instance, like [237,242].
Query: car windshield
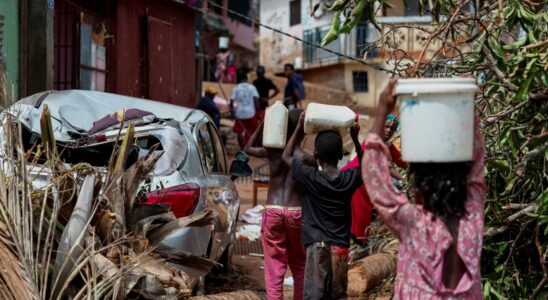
[167,140]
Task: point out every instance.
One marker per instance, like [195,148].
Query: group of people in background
[314,210]
[248,102]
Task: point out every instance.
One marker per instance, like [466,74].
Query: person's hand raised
[388,98]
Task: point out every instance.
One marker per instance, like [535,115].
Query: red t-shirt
[361,205]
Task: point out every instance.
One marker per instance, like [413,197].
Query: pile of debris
[82,235]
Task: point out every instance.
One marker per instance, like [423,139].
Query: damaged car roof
[75,111]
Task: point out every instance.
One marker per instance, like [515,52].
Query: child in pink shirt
[440,236]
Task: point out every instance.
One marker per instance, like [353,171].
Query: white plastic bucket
[223,42]
[322,117]
[275,126]
[437,119]
[298,63]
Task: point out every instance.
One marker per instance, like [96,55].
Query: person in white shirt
[247,100]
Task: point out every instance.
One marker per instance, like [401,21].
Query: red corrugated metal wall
[131,45]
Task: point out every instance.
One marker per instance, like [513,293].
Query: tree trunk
[370,271]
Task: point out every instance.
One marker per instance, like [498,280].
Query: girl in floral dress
[440,235]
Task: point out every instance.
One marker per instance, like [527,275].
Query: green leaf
[544,78]
[505,135]
[495,47]
[486,289]
[530,65]
[515,45]
[510,185]
[526,14]
[531,37]
[523,90]
[518,59]
[333,32]
[501,165]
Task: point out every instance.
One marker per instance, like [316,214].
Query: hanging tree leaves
[505,45]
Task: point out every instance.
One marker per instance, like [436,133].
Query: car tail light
[100,138]
[182,199]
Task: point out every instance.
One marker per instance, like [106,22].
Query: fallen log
[368,272]
[238,295]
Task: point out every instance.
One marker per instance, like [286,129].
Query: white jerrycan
[275,126]
[437,119]
[322,117]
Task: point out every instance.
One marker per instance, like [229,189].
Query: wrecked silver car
[190,175]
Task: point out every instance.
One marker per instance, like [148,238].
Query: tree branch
[492,63]
[544,280]
[442,28]
[495,117]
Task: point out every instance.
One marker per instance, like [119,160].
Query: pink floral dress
[423,241]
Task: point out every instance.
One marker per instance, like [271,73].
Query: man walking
[264,86]
[293,92]
[247,99]
[207,105]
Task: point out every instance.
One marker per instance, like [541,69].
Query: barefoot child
[441,237]
[281,226]
[326,196]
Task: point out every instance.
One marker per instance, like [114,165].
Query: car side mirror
[239,166]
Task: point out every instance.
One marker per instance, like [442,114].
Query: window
[218,9]
[207,150]
[92,56]
[294,12]
[219,148]
[412,8]
[360,81]
[242,7]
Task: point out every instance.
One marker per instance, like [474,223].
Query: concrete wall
[331,76]
[376,82]
[10,44]
[277,49]
[242,34]
[339,76]
[320,18]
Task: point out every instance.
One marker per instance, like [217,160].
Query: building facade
[232,19]
[319,66]
[140,48]
[9,49]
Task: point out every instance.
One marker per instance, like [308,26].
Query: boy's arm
[475,179]
[354,131]
[256,98]
[295,139]
[387,102]
[257,104]
[252,150]
[304,156]
[275,88]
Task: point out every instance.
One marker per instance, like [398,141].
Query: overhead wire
[258,23]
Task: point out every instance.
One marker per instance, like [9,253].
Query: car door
[219,190]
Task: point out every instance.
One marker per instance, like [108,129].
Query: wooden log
[368,272]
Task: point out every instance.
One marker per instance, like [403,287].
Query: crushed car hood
[74,111]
